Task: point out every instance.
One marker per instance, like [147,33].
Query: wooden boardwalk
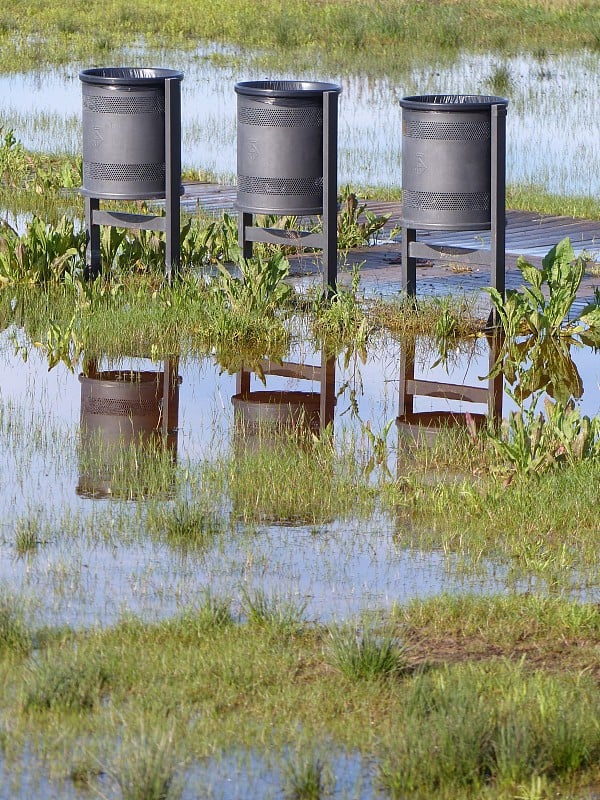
[529,234]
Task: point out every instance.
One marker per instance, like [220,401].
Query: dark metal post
[93,264]
[498,196]
[172,176]
[409,263]
[245,245]
[330,135]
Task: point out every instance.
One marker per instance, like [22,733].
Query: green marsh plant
[147,765]
[466,727]
[15,635]
[366,654]
[356,225]
[58,681]
[282,615]
[187,527]
[260,288]
[304,776]
[543,305]
[44,253]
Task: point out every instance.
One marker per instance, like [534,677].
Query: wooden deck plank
[526,232]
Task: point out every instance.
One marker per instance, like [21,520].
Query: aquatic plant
[543,305]
[42,254]
[530,442]
[260,290]
[282,615]
[66,682]
[147,764]
[304,776]
[15,635]
[467,726]
[341,318]
[356,225]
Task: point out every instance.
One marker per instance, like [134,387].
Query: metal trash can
[280,146]
[447,161]
[124,127]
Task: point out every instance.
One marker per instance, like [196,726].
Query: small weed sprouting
[214,613]
[27,536]
[351,231]
[342,317]
[366,655]
[501,81]
[304,776]
[65,682]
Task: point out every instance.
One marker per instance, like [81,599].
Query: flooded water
[551,135]
[93,564]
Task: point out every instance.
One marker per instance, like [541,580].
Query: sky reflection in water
[551,134]
[338,569]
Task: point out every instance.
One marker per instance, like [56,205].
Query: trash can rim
[452,102]
[285,88]
[127,76]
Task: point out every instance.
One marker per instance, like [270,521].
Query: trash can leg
[409,263]
[93,265]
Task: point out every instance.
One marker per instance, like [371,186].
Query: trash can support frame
[248,233]
[95,217]
[412,249]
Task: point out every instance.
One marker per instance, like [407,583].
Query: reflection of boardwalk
[527,233]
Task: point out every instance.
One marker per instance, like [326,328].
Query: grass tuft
[59,682]
[281,615]
[304,777]
[14,633]
[366,655]
[147,764]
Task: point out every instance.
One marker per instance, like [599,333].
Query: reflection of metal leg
[327,399]
[496,384]
[407,374]
[242,382]
[409,264]
[92,249]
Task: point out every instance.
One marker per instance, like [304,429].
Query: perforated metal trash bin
[280,146]
[124,132]
[447,161]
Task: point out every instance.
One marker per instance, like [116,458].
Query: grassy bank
[383,33]
[477,682]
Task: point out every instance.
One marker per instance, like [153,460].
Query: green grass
[544,527]
[34,34]
[142,701]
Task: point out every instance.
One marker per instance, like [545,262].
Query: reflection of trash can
[447,161]
[261,416]
[280,146]
[124,124]
[122,409]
